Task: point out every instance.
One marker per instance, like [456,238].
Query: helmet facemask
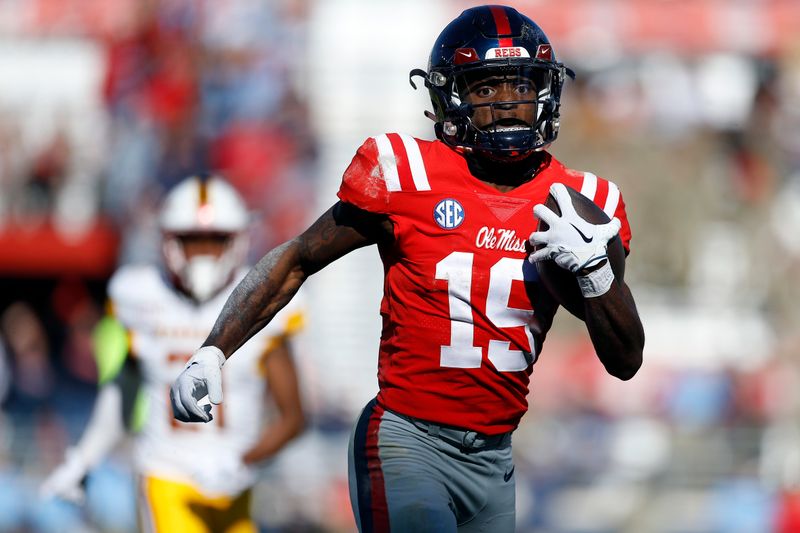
[204,263]
[204,223]
[520,117]
[510,108]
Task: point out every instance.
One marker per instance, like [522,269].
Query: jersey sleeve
[625,229]
[364,182]
[125,290]
[607,196]
[129,291]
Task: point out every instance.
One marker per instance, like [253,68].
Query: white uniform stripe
[612,200]
[418,173]
[388,162]
[589,187]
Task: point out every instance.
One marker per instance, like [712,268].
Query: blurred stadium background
[691,106]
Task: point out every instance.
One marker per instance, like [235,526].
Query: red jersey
[464,315]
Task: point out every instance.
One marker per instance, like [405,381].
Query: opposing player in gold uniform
[193,478]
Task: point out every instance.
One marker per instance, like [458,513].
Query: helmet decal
[506,52]
[465,55]
[202,189]
[503,26]
[545,52]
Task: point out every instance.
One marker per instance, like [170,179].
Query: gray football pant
[410,476]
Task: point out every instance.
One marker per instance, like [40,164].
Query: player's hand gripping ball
[583,237]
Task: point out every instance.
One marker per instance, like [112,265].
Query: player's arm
[284,391]
[266,289]
[275,279]
[616,330]
[609,309]
[119,379]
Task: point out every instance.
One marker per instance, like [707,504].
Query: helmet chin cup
[203,276]
[505,146]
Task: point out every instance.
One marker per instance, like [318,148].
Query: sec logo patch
[448,213]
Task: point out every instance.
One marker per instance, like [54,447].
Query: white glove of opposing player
[572,242]
[201,377]
[66,481]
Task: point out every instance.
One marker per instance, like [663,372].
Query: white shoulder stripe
[418,173]
[388,162]
[589,187]
[612,200]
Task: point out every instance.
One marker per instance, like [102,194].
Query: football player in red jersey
[464,313]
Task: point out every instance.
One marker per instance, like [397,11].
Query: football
[561,283]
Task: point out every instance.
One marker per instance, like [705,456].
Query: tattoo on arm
[268,286]
[277,277]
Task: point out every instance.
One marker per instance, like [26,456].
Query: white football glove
[223,474]
[66,481]
[573,243]
[201,377]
